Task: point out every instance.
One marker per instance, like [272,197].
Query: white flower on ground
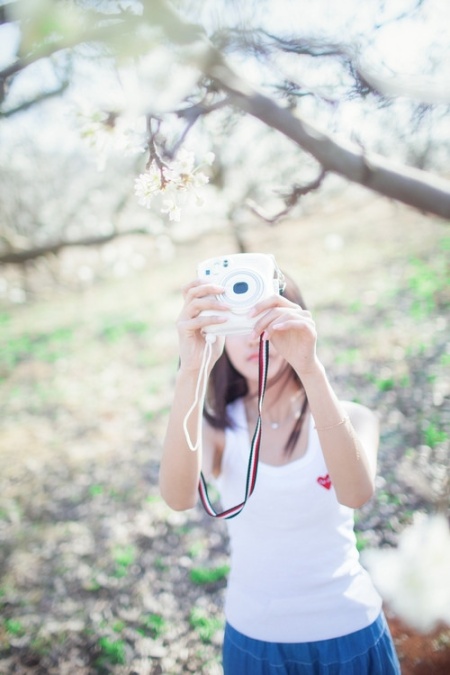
[414,578]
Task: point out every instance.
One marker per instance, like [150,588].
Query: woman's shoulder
[360,415]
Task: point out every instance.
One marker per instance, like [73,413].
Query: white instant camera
[247,279]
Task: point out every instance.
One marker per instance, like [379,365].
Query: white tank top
[295,572]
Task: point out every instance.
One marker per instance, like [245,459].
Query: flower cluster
[109,132]
[178,183]
[414,578]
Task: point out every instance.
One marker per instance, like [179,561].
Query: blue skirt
[369,651]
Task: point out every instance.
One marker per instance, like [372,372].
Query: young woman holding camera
[298,600]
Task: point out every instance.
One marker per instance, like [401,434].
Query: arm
[348,432]
[180,467]
[348,435]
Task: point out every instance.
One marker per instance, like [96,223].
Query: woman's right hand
[199,296]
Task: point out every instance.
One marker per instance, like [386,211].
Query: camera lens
[243,288]
[240,287]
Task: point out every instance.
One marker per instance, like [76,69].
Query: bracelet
[333,426]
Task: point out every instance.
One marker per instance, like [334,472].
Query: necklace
[293,414]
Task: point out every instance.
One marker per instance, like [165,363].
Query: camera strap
[254,448]
[199,397]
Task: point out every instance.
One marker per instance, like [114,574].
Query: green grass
[389,382]
[112,651]
[155,624]
[115,360]
[14,627]
[41,645]
[348,356]
[361,541]
[207,575]
[196,549]
[47,347]
[428,283]
[445,360]
[116,329]
[205,626]
[124,557]
[433,435]
[95,490]
[385,497]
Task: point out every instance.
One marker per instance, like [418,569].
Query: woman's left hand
[290,329]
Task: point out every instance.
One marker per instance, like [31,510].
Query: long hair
[226,384]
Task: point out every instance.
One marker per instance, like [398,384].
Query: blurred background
[123,163]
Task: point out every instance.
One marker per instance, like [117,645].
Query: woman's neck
[283,396]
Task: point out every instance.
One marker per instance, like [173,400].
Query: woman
[297,600]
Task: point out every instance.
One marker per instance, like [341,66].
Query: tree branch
[408,185]
[43,96]
[4,13]
[20,257]
[291,199]
[191,114]
[421,90]
[411,186]
[97,32]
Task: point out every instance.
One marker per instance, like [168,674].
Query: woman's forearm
[348,459]
[180,466]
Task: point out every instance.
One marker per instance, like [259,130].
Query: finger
[272,302]
[272,315]
[199,288]
[197,306]
[297,321]
[200,322]
[284,326]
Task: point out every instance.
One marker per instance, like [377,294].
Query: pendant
[274,425]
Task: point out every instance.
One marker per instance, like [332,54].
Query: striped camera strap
[254,449]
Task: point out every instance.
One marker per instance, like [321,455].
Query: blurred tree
[330,93]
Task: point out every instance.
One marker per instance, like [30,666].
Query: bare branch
[405,14]
[422,91]
[192,114]
[410,186]
[405,184]
[19,257]
[43,96]
[414,187]
[291,199]
[308,46]
[4,13]
[101,31]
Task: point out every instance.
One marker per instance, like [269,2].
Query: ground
[97,575]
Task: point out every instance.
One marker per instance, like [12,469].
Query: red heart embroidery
[324,481]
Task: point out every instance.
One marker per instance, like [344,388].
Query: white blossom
[184,163]
[179,183]
[147,185]
[172,209]
[209,158]
[414,578]
[109,132]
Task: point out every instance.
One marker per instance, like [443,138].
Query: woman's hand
[290,329]
[199,297]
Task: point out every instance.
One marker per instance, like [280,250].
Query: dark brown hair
[226,384]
